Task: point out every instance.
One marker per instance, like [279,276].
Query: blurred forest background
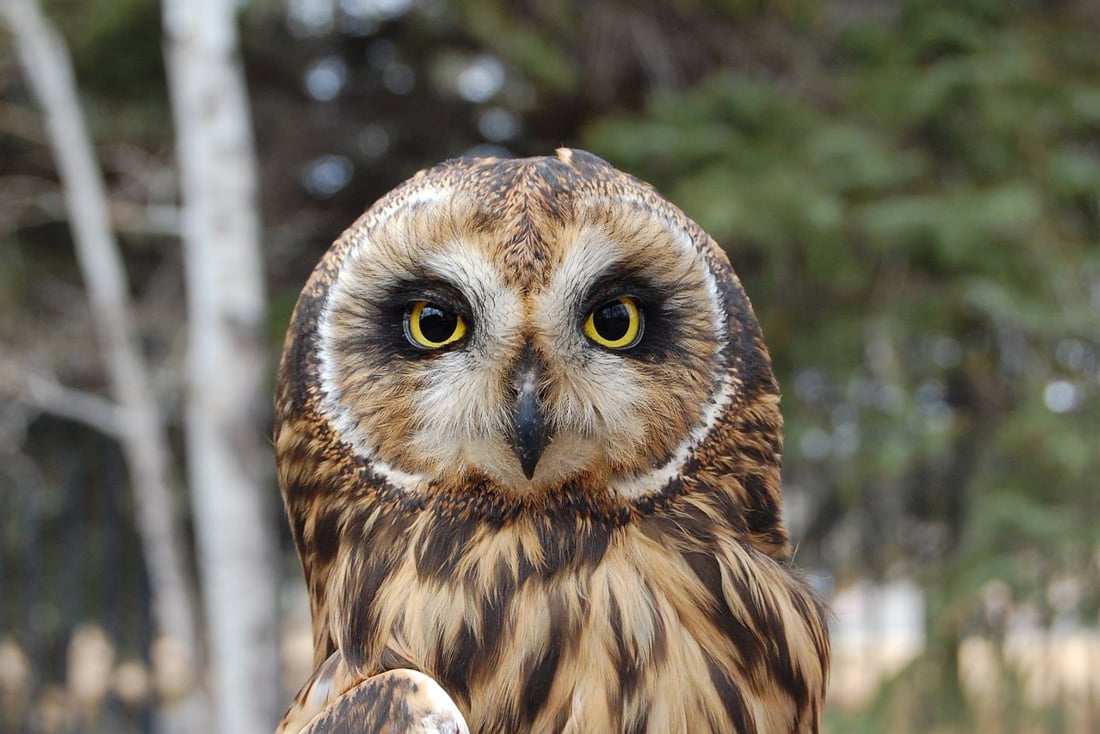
[909,190]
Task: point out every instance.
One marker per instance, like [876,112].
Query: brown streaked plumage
[566,537]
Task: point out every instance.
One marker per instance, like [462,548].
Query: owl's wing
[401,701]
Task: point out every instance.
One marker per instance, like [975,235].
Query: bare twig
[48,69]
[128,217]
[46,395]
[145,219]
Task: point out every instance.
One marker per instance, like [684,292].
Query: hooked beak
[530,434]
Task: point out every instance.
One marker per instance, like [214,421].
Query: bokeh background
[909,190]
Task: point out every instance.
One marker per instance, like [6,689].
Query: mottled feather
[640,580]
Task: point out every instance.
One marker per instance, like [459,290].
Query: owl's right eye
[616,324]
[431,326]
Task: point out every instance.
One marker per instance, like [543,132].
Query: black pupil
[612,320]
[436,324]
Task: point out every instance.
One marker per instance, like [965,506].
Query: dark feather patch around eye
[659,339]
[429,289]
[382,335]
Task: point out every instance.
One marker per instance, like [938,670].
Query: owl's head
[525,325]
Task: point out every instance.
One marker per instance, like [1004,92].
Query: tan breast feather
[648,590]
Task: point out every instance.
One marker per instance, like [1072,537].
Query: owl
[528,438]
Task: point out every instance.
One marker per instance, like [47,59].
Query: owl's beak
[529,430]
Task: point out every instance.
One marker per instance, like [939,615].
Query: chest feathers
[660,624]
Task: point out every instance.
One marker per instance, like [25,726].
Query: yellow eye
[616,324]
[428,326]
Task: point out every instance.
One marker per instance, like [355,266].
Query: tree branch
[45,394]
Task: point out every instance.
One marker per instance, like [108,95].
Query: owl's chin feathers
[565,457]
[569,458]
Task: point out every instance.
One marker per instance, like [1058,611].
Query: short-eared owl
[529,442]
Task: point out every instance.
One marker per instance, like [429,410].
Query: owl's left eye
[430,326]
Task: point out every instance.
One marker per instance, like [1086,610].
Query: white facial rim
[343,421]
[631,488]
[657,478]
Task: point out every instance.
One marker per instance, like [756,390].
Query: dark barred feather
[572,610]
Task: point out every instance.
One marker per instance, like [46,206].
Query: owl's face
[515,322]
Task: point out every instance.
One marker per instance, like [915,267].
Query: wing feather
[400,701]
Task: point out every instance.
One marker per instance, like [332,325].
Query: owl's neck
[456,588]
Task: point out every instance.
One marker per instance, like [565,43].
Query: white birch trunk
[226,366]
[48,69]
